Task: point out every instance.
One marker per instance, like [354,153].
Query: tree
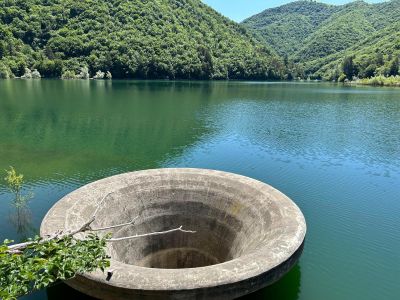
[68,75]
[42,261]
[50,68]
[394,67]
[84,74]
[370,71]
[15,184]
[99,75]
[348,67]
[27,74]
[4,71]
[36,74]
[207,67]
[2,49]
[379,58]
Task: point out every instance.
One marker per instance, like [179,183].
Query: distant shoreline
[379,81]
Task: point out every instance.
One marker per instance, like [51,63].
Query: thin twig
[115,226]
[148,234]
[83,228]
[100,203]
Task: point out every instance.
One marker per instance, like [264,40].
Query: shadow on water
[288,288]
[63,291]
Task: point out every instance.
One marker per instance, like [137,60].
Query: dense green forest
[286,27]
[175,39]
[186,39]
[334,42]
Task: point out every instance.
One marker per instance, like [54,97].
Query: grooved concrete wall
[248,234]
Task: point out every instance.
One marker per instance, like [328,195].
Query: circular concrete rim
[152,279]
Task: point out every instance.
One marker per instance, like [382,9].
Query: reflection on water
[68,133]
[21,220]
[54,293]
[288,288]
[334,150]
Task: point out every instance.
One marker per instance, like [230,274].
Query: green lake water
[334,150]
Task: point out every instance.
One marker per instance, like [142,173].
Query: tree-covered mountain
[378,54]
[327,39]
[130,38]
[286,27]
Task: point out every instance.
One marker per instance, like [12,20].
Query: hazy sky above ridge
[239,10]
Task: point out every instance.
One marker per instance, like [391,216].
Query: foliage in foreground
[41,264]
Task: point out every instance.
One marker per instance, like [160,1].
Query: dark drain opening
[214,242]
[178,258]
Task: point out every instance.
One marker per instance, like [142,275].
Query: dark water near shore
[334,150]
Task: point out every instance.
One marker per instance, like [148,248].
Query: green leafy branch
[42,261]
[41,264]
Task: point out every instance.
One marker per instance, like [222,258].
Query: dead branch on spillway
[58,235]
[115,226]
[150,234]
[86,227]
[16,248]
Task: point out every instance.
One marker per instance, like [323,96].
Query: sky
[238,10]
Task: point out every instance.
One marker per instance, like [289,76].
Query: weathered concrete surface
[248,234]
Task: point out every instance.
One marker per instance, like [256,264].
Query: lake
[334,150]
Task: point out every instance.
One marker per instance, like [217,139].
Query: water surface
[334,150]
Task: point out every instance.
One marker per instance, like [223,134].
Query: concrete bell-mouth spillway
[247,234]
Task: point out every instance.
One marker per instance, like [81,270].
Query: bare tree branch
[58,235]
[83,228]
[100,203]
[17,248]
[115,226]
[149,234]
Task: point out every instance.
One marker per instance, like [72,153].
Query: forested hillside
[376,55]
[130,38]
[186,39]
[286,27]
[353,40]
